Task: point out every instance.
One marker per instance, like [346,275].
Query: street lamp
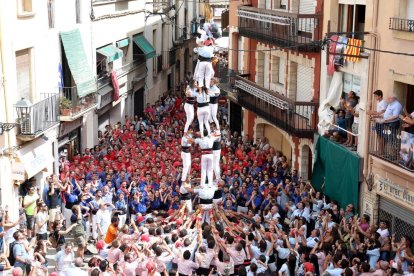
[24,114]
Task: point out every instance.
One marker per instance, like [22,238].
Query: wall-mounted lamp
[7,127]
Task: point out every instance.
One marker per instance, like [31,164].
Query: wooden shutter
[410,9]
[23,74]
[304,83]
[307,7]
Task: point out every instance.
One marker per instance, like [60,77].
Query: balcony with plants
[72,106]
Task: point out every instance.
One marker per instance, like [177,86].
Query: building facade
[274,67]
[68,68]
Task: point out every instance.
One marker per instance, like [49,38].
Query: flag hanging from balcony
[353,48]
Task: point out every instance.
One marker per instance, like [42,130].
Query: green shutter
[78,63]
[122,43]
[110,52]
[145,46]
[338,170]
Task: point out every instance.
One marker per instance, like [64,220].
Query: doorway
[139,102]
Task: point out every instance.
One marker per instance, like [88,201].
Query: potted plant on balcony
[65,106]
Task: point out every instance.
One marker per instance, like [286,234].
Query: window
[23,73]
[351,83]
[78,12]
[278,70]
[51,13]
[280,4]
[410,10]
[25,8]
[346,21]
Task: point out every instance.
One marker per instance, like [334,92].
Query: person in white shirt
[206,146]
[103,220]
[41,223]
[383,229]
[186,142]
[214,93]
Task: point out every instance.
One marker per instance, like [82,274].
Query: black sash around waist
[202,104]
[200,58]
[216,145]
[185,196]
[190,100]
[206,201]
[217,194]
[185,149]
[213,100]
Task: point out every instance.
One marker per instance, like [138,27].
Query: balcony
[392,145]
[227,78]
[400,24]
[72,107]
[297,118]
[36,119]
[283,28]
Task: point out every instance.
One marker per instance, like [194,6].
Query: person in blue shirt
[121,209]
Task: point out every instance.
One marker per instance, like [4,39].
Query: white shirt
[384,233]
[205,191]
[205,142]
[200,97]
[184,142]
[382,105]
[41,217]
[214,90]
[356,118]
[103,218]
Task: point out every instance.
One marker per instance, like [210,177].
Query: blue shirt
[393,109]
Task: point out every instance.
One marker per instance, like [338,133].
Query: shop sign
[386,188]
[18,171]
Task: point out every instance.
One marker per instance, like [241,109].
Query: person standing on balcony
[348,104]
[391,123]
[378,115]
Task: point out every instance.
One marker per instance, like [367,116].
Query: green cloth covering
[145,46]
[338,168]
[122,43]
[110,52]
[78,63]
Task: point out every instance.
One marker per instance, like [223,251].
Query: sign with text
[386,188]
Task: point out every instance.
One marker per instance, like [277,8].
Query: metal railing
[400,24]
[40,116]
[296,118]
[227,78]
[391,144]
[283,28]
[78,105]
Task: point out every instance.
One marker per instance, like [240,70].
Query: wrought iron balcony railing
[227,78]
[400,24]
[391,144]
[300,32]
[39,117]
[297,118]
[72,106]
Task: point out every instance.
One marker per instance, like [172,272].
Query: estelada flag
[353,48]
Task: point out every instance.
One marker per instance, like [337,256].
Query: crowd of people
[157,197]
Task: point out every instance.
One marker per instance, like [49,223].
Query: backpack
[11,257]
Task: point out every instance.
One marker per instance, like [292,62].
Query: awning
[78,63]
[110,52]
[36,156]
[336,172]
[122,43]
[145,46]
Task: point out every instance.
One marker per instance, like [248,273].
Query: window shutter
[410,9]
[305,84]
[282,70]
[307,7]
[23,74]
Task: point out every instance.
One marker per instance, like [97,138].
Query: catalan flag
[353,48]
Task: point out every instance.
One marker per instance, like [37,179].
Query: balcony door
[139,102]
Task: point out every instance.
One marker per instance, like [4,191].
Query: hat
[145,238]
[309,267]
[140,219]
[17,271]
[208,42]
[179,221]
[100,245]
[170,211]
[178,244]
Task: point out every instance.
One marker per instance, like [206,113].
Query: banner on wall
[407,150]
